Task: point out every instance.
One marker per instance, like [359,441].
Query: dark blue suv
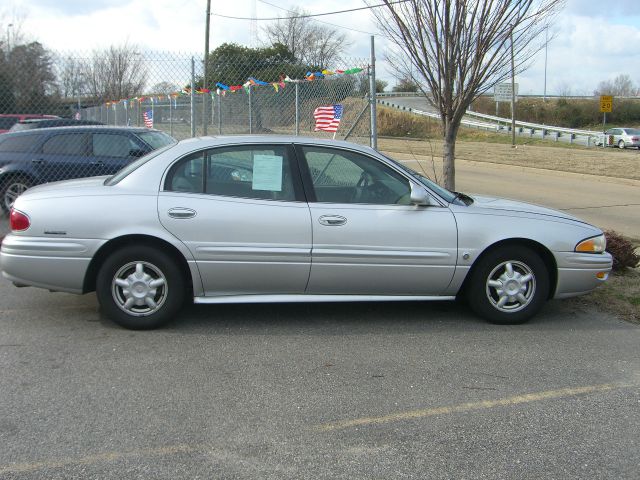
[50,154]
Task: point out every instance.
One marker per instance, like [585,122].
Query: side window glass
[340,176]
[186,174]
[66,144]
[21,144]
[262,172]
[112,145]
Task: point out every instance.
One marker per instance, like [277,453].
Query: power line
[319,21]
[310,15]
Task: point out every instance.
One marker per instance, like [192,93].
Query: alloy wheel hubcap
[511,286]
[12,192]
[139,288]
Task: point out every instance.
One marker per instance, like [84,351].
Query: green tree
[232,64]
[31,69]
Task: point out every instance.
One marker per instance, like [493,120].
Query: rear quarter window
[21,144]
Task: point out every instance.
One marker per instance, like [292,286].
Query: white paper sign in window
[267,173]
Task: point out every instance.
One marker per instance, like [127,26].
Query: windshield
[632,131]
[430,184]
[133,166]
[156,139]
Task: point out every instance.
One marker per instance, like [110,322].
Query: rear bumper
[58,264]
[577,272]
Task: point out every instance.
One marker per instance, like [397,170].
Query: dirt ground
[610,162]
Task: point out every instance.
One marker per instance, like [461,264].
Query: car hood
[495,203]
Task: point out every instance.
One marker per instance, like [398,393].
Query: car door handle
[180,212]
[37,161]
[332,220]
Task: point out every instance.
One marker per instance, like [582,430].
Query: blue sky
[593,42]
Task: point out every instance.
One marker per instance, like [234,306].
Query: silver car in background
[621,138]
[291,219]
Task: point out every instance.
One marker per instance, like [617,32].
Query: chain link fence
[164,91]
[280,105]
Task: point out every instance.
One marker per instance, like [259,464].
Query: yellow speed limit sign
[606,103]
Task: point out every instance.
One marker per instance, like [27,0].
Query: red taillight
[18,220]
[635,139]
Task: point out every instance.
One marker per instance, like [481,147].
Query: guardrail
[503,125]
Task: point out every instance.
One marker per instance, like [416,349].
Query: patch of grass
[620,296]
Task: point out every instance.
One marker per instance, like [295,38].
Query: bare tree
[164,88]
[115,73]
[621,86]
[458,49]
[308,41]
[71,77]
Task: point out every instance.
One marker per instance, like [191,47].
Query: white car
[291,219]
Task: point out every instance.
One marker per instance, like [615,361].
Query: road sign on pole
[606,103]
[502,92]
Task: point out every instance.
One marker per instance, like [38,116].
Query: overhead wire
[319,21]
[310,15]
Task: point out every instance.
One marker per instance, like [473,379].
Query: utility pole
[205,117]
[513,96]
[546,47]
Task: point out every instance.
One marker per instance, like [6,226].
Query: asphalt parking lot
[390,390]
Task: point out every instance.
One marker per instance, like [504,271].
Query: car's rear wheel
[140,287]
[621,144]
[12,188]
[508,285]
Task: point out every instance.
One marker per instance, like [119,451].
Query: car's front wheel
[508,285]
[621,144]
[140,287]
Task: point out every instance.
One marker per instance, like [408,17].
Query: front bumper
[578,272]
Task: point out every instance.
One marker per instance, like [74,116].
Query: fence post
[220,114]
[372,95]
[193,97]
[297,108]
[250,112]
[204,114]
[170,116]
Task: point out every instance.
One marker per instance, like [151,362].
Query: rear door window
[66,144]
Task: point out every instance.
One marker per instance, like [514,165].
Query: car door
[111,151]
[367,237]
[241,212]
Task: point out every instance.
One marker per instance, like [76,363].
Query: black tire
[485,298]
[11,188]
[144,269]
[621,144]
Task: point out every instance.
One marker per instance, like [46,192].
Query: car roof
[28,115]
[55,120]
[196,143]
[80,128]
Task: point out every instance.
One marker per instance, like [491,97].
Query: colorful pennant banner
[222,89]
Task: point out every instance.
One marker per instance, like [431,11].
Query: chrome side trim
[292,298]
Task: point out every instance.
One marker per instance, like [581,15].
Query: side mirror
[419,195]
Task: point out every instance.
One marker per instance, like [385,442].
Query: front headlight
[597,244]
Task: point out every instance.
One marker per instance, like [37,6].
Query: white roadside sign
[502,92]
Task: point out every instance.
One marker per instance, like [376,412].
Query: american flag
[328,117]
[148,118]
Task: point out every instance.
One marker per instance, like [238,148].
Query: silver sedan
[289,219]
[622,137]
